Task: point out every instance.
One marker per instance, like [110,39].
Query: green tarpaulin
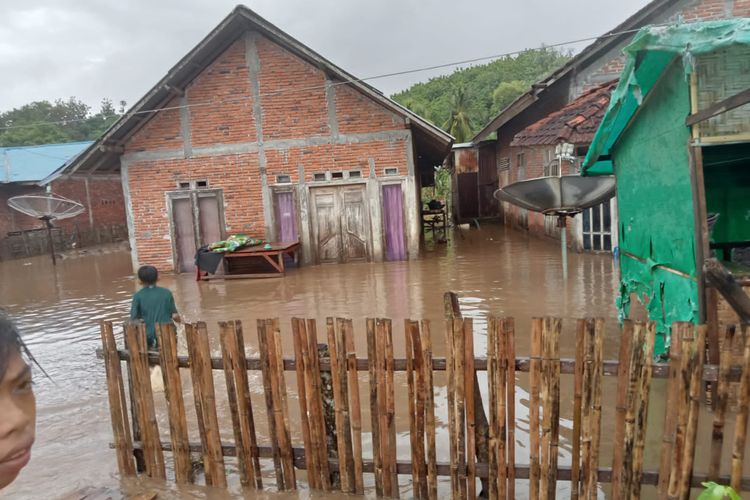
[647,58]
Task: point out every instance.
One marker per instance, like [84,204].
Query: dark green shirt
[153,304]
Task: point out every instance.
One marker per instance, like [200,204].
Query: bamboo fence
[356,462]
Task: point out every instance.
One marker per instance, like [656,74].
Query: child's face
[17,418]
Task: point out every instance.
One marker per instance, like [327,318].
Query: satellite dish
[46,207]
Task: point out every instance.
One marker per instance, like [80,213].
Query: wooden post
[684,335]
[670,415]
[546,410]
[390,405]
[373,360]
[509,330]
[265,363]
[281,409]
[469,374]
[426,338]
[721,398]
[554,370]
[136,341]
[626,338]
[460,400]
[697,355]
[354,405]
[596,403]
[740,429]
[642,415]
[631,404]
[205,403]
[313,474]
[534,390]
[497,412]
[178,430]
[243,423]
[117,403]
[341,404]
[314,391]
[575,474]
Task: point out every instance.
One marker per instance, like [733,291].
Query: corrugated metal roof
[575,123]
[34,163]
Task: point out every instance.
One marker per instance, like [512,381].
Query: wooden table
[236,263]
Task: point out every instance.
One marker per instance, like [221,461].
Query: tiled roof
[34,163]
[576,123]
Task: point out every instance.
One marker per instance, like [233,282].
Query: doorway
[341,227]
[285,214]
[597,227]
[393,222]
[197,220]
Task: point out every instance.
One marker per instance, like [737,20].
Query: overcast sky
[92,49]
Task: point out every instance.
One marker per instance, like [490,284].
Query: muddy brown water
[494,270]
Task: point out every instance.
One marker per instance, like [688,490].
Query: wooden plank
[265,359]
[497,406]
[426,338]
[459,347]
[554,369]
[698,355]
[372,357]
[178,430]
[740,428]
[669,428]
[341,404]
[643,404]
[721,279]
[118,410]
[534,391]
[587,468]
[721,398]
[682,332]
[421,389]
[412,405]
[626,337]
[354,405]
[546,396]
[509,330]
[451,396]
[205,403]
[316,402]
[596,403]
[136,341]
[631,404]
[575,479]
[298,330]
[281,409]
[728,104]
[469,373]
[390,406]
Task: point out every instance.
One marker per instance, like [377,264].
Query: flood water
[494,270]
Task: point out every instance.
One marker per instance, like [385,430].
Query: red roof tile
[576,123]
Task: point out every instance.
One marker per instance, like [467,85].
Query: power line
[343,82]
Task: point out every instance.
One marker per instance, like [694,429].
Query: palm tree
[459,123]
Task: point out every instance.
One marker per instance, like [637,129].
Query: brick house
[600,62]
[252,132]
[28,170]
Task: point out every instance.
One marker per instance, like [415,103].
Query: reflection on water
[494,270]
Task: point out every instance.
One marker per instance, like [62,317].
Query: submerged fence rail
[481,448]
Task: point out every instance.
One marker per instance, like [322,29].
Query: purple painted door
[286,216]
[393,222]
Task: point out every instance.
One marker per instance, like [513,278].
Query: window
[504,163]
[201,184]
[521,162]
[355,174]
[319,176]
[283,179]
[390,171]
[183,185]
[337,175]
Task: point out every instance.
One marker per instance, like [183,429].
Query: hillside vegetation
[466,100]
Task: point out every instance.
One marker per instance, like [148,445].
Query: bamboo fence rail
[357,460]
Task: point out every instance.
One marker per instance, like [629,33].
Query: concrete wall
[280,116]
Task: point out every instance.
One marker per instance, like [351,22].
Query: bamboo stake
[136,341]
[421,390]
[721,400]
[341,355]
[685,338]
[410,383]
[299,337]
[554,349]
[537,325]
[245,406]
[229,358]
[390,407]
[671,413]
[450,364]
[459,347]
[544,485]
[502,408]
[634,368]
[382,410]
[596,404]
[354,405]
[281,407]
[468,340]
[338,372]
[575,474]
[642,416]
[740,429]
[372,360]
[315,402]
[200,364]
[586,410]
[426,339]
[117,402]
[510,362]
[698,357]
[626,338]
[265,363]
[178,431]
[493,376]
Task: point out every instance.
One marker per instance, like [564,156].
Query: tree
[43,122]
[458,123]
[507,92]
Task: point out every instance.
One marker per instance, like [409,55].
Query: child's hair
[148,275]
[10,342]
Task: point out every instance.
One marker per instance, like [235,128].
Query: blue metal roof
[34,163]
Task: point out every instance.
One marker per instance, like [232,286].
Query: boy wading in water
[153,304]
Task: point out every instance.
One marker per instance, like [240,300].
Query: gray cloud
[92,49]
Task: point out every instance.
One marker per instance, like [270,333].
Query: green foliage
[441,190]
[715,491]
[43,122]
[458,123]
[486,88]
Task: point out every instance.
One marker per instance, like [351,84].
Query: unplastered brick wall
[236,175]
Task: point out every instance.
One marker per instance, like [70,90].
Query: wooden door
[286,216]
[468,207]
[209,218]
[326,225]
[340,224]
[184,234]
[393,222]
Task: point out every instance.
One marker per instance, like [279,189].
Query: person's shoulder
[163,290]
